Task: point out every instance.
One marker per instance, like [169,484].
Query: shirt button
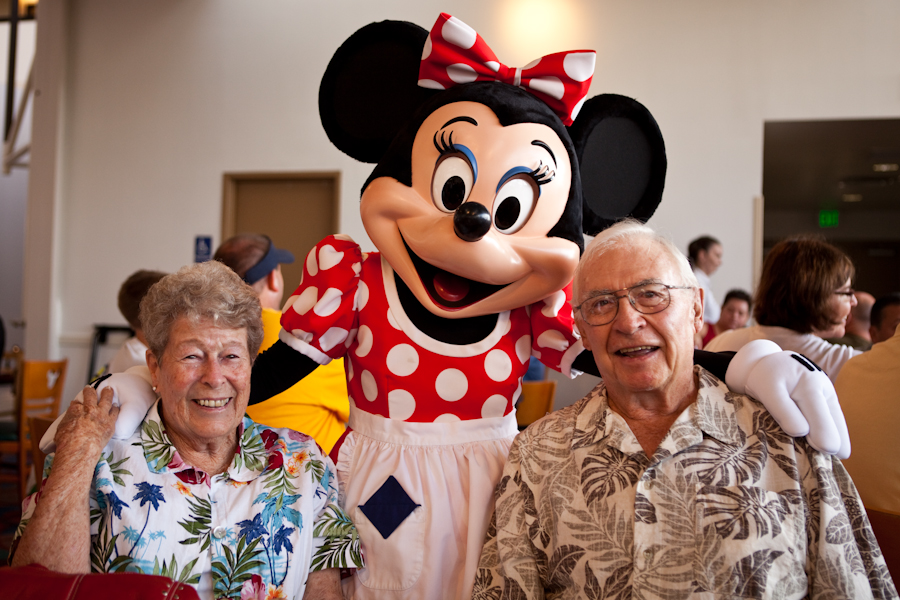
[649,484]
[220,532]
[648,554]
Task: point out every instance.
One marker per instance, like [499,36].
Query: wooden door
[296,210]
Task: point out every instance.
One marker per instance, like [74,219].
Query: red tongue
[450,287]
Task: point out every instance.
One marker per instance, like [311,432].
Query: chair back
[38,427]
[886,527]
[40,390]
[535,402]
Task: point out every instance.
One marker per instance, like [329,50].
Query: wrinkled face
[203,379]
[735,314]
[839,306]
[638,353]
[710,260]
[469,237]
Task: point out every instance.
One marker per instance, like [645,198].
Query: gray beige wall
[155,100]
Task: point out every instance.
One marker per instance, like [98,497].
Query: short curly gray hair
[207,290]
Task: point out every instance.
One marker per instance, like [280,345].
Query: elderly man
[661,483]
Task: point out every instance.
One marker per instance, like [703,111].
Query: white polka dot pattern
[532,64]
[551,86]
[329,302]
[329,257]
[312,267]
[494,406]
[461,73]
[458,33]
[523,348]
[369,387]
[401,405]
[451,385]
[430,84]
[332,338]
[362,296]
[303,336]
[497,365]
[553,303]
[554,340]
[580,65]
[426,49]
[447,418]
[402,360]
[306,300]
[365,339]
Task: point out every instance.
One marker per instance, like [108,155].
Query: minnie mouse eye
[514,204]
[452,183]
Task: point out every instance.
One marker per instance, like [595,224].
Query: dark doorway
[840,179]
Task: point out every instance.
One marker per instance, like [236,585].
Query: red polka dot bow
[454,53]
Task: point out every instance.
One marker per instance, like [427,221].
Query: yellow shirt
[316,405]
[868,388]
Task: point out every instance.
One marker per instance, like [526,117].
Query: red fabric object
[454,53]
[37,582]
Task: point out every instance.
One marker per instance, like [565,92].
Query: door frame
[229,193]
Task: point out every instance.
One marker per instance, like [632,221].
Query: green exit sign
[828,218]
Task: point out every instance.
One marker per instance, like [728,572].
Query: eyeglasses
[646,298]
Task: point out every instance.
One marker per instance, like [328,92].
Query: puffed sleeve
[335,539]
[320,315]
[554,339]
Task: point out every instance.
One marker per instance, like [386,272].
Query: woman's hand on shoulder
[88,425]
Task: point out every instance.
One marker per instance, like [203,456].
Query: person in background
[869,390]
[885,317]
[317,405]
[804,296]
[133,352]
[856,332]
[661,483]
[705,255]
[735,314]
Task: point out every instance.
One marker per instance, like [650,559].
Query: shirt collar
[712,415]
[250,459]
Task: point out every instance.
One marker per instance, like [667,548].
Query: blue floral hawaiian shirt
[255,531]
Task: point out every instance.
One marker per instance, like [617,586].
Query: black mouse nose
[471,221]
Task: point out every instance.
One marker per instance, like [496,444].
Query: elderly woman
[200,492]
[804,296]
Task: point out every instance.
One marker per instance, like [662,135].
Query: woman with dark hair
[804,296]
[705,256]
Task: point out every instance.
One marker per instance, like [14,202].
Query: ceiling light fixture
[885,167]
[852,197]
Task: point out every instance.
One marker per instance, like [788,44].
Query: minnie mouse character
[486,178]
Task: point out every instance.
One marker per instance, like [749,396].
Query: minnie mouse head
[481,194]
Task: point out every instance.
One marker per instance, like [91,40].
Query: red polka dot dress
[436,418]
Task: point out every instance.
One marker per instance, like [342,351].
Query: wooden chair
[886,527]
[38,426]
[535,402]
[38,394]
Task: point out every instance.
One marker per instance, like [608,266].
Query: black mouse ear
[370,88]
[622,158]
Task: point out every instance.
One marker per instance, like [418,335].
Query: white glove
[798,394]
[132,391]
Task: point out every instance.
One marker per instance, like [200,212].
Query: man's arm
[58,533]
[324,585]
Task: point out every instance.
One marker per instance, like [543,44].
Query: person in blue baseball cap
[317,405]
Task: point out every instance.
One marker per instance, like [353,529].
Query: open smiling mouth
[219,403]
[448,290]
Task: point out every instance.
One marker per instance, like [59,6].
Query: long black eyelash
[445,146]
[543,174]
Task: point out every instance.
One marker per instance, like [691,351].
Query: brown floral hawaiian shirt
[729,506]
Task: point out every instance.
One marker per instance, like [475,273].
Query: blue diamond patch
[388,507]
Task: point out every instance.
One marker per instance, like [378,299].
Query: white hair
[627,232]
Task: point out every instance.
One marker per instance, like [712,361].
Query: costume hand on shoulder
[795,391]
[132,392]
